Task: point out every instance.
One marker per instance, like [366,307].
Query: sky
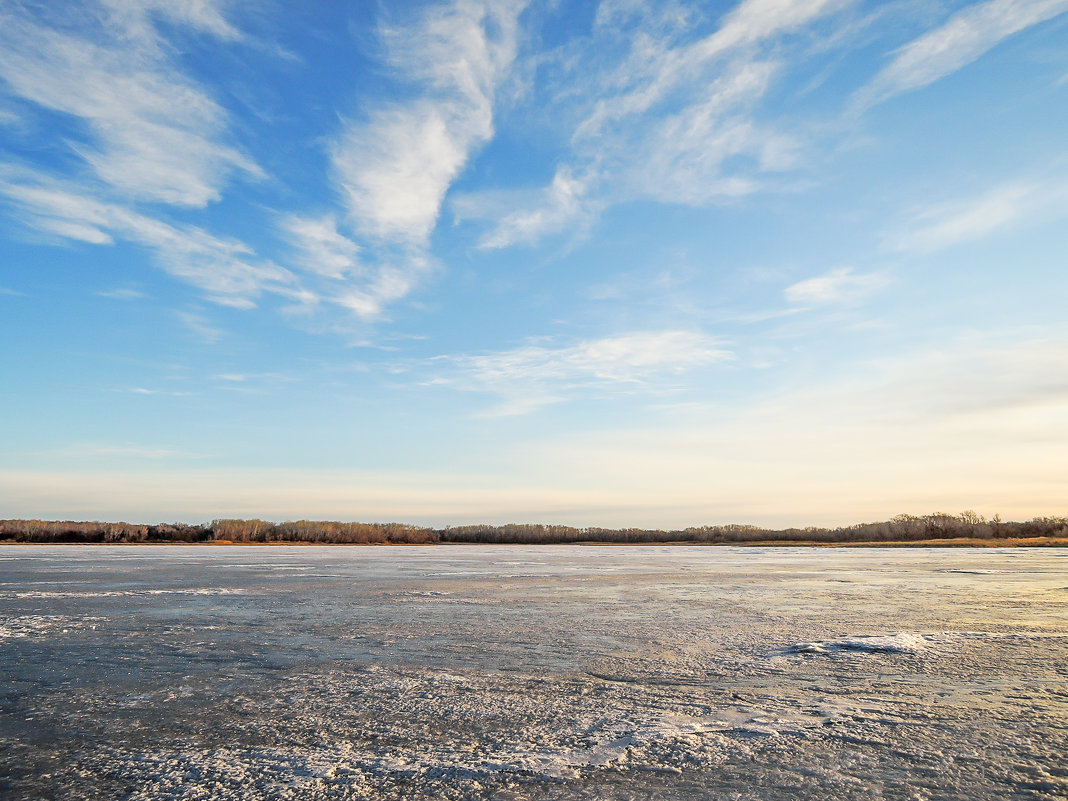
[783,262]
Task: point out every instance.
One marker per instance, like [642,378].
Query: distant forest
[903,528]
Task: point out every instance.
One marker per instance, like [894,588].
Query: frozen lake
[524,672]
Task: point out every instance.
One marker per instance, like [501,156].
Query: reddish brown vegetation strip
[965,529]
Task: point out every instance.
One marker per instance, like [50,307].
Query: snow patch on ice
[122,593]
[900,643]
[26,626]
[421,594]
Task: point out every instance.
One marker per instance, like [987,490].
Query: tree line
[902,528]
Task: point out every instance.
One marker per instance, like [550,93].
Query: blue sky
[610,263]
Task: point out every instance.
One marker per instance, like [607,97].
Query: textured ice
[522,673]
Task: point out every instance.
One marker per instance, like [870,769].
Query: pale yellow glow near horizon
[273,495]
[760,472]
[983,429]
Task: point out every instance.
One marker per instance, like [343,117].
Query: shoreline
[958,542]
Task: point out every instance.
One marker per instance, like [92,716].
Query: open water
[521,672]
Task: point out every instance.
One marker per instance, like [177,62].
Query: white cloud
[153,133]
[390,282]
[675,157]
[533,375]
[332,262]
[659,115]
[394,167]
[169,393]
[962,39]
[561,205]
[240,378]
[122,293]
[683,155]
[837,286]
[227,270]
[394,170]
[655,68]
[134,17]
[656,114]
[947,224]
[320,248]
[199,326]
[148,133]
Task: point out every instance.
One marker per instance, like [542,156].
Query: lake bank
[960,542]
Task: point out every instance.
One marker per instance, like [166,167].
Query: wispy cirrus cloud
[135,17]
[227,270]
[665,116]
[392,164]
[393,278]
[320,248]
[199,326]
[962,39]
[332,263]
[393,167]
[533,375]
[841,285]
[963,220]
[122,293]
[241,378]
[142,131]
[659,114]
[165,392]
[148,131]
[139,135]
[566,202]
[658,63]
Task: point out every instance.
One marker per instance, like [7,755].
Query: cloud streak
[143,132]
[837,286]
[320,248]
[152,134]
[393,164]
[660,115]
[672,119]
[227,270]
[965,220]
[393,168]
[534,375]
[962,39]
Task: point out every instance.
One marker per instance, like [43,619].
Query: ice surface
[520,673]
